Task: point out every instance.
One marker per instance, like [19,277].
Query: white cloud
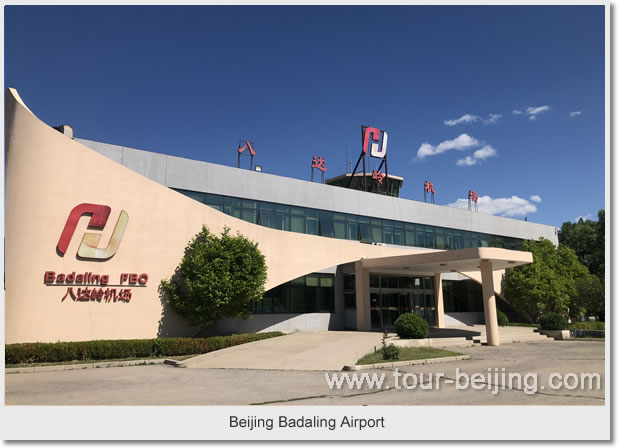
[479,154]
[468,161]
[537,110]
[464,141]
[484,152]
[469,118]
[466,118]
[492,119]
[513,206]
[535,198]
[575,114]
[532,112]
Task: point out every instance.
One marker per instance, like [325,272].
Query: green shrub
[411,326]
[38,352]
[390,352]
[503,321]
[588,325]
[553,321]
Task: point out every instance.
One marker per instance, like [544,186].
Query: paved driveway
[166,385]
[312,350]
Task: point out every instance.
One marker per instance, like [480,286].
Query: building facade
[337,258]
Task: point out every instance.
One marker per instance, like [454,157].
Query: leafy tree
[590,294]
[218,277]
[587,239]
[548,284]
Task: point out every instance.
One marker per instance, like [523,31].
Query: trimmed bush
[503,321]
[553,321]
[588,325]
[411,326]
[38,352]
[390,353]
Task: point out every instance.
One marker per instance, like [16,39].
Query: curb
[386,365]
[94,365]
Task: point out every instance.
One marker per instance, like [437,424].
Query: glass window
[249,215]
[440,239]
[340,226]
[376,230]
[312,225]
[312,280]
[349,282]
[282,221]
[365,230]
[388,234]
[327,281]
[410,237]
[420,238]
[374,281]
[416,283]
[297,224]
[285,209]
[430,237]
[398,237]
[352,227]
[327,227]
[267,206]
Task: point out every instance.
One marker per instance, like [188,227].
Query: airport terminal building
[338,257]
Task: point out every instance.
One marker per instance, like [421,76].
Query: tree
[218,277]
[548,284]
[591,294]
[587,239]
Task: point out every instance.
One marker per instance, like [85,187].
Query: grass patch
[523,324]
[407,354]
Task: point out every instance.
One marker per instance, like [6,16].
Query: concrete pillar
[489,304]
[339,300]
[440,322]
[363,312]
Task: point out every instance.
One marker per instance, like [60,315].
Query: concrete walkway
[312,350]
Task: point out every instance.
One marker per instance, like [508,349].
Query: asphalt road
[166,385]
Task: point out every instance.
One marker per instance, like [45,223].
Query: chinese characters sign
[319,163]
[429,187]
[377,175]
[88,286]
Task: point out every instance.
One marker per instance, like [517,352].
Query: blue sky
[504,100]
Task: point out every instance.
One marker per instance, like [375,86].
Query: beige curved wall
[47,174]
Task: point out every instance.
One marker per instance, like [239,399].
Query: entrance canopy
[470,261]
[462,260]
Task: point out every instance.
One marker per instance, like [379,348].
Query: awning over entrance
[462,260]
[485,260]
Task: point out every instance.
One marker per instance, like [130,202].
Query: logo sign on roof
[378,140]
